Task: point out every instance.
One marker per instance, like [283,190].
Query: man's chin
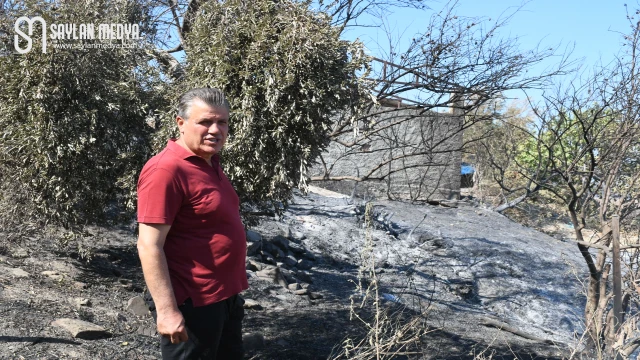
[209,150]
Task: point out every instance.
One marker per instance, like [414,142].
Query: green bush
[73,135]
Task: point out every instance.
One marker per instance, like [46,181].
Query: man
[192,242]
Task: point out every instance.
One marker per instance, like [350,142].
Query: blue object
[391,297]
[466,169]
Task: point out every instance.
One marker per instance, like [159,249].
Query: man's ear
[180,121]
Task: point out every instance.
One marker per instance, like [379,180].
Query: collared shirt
[206,245]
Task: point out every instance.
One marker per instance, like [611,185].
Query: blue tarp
[466,169]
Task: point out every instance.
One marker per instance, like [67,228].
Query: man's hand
[171,325]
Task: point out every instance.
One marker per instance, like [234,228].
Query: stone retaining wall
[426,149]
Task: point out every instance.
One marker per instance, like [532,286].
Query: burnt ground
[456,273]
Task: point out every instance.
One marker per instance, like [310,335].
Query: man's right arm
[151,240]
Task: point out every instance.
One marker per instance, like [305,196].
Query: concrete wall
[426,151]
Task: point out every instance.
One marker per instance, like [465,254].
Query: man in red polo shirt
[192,242]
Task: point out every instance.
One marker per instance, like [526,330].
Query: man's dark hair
[212,97]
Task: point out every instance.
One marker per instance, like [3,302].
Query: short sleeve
[159,196]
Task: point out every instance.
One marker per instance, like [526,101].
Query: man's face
[206,130]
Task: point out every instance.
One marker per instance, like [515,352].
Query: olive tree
[72,133]
[286,71]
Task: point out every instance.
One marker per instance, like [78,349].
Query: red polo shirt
[206,245]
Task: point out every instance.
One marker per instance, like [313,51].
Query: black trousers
[215,332]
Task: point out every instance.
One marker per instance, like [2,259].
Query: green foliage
[74,127]
[566,139]
[285,71]
[73,132]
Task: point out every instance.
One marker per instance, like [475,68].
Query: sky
[591,27]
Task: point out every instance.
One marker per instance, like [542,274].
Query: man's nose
[213,129]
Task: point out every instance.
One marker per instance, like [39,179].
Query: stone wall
[419,153]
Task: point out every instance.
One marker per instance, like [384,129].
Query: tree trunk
[511,203]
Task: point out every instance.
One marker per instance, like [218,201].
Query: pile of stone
[281,260]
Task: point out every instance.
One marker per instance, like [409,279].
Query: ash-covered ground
[481,284]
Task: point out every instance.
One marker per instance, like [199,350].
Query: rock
[345,258]
[309,255]
[253,236]
[79,285]
[257,264]
[279,254]
[19,253]
[296,236]
[252,304]
[315,296]
[17,272]
[281,242]
[80,302]
[290,261]
[82,329]
[53,275]
[304,264]
[253,265]
[137,306]
[147,330]
[297,248]
[301,292]
[268,258]
[267,273]
[294,286]
[252,341]
[254,248]
[273,275]
[272,250]
[288,275]
[282,281]
[304,276]
[267,248]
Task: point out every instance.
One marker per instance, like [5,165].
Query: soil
[471,276]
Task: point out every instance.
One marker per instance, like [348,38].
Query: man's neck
[180,142]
